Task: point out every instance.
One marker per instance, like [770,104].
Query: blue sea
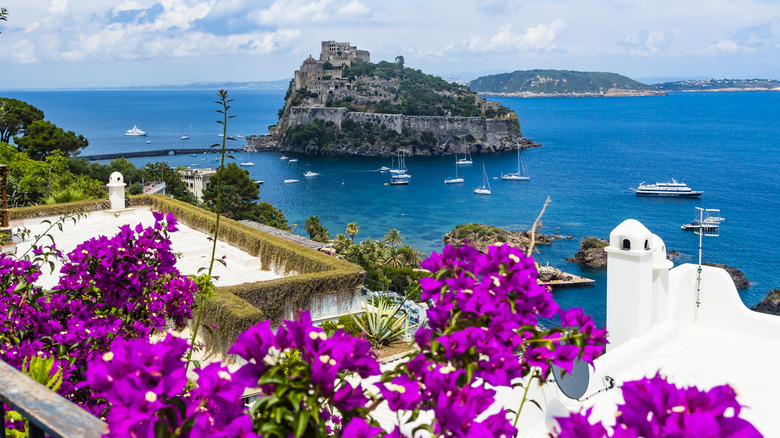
[594,150]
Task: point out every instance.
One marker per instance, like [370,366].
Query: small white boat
[148,141]
[455,179]
[185,137]
[395,181]
[293,160]
[383,169]
[310,173]
[282,157]
[239,136]
[135,132]
[485,189]
[288,181]
[466,157]
[246,163]
[517,176]
[401,176]
[258,181]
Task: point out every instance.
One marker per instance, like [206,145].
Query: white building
[660,320]
[197,180]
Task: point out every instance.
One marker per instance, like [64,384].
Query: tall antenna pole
[708,225]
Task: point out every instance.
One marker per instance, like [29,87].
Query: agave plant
[381,324]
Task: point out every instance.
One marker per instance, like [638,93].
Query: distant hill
[281,84]
[722,85]
[541,83]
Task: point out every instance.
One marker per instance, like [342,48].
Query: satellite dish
[575,384]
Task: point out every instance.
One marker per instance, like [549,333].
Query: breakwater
[155,153]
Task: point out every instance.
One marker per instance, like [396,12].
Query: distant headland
[561,83]
[342,104]
[721,85]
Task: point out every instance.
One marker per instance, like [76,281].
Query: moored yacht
[673,188]
[135,131]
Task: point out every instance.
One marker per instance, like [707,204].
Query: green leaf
[300,424]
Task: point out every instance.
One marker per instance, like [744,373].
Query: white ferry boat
[135,131]
[674,188]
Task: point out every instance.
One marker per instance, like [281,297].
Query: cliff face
[770,304]
[338,131]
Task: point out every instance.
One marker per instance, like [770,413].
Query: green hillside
[558,82]
[721,85]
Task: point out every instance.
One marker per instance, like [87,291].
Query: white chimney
[116,191]
[630,278]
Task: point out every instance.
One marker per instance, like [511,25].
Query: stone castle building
[333,57]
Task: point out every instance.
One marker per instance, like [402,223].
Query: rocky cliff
[340,132]
[770,304]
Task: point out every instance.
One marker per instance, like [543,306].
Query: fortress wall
[451,126]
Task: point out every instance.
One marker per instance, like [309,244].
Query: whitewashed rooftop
[193,245]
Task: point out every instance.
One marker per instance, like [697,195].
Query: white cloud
[58,7]
[354,8]
[535,38]
[32,27]
[295,11]
[727,46]
[128,6]
[24,52]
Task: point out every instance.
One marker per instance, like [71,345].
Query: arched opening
[647,245]
[626,244]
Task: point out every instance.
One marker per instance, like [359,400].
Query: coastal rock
[770,304]
[591,253]
[480,236]
[740,281]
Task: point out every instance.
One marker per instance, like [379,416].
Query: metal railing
[49,414]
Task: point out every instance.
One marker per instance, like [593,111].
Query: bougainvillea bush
[110,289]
[482,333]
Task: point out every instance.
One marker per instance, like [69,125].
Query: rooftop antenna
[708,225]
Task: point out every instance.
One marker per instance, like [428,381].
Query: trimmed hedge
[311,273]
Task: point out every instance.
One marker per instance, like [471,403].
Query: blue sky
[94,43]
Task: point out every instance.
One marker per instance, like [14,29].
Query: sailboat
[485,189]
[455,179]
[466,156]
[401,168]
[517,176]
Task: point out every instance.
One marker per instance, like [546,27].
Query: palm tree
[340,243]
[411,257]
[393,237]
[312,226]
[352,229]
[392,257]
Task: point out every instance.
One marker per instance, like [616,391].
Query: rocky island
[480,236]
[591,253]
[561,83]
[770,304]
[343,104]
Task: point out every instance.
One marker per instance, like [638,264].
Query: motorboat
[288,181]
[383,169]
[399,180]
[258,181]
[293,160]
[485,189]
[310,173]
[185,137]
[246,163]
[674,188]
[283,157]
[706,225]
[135,132]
